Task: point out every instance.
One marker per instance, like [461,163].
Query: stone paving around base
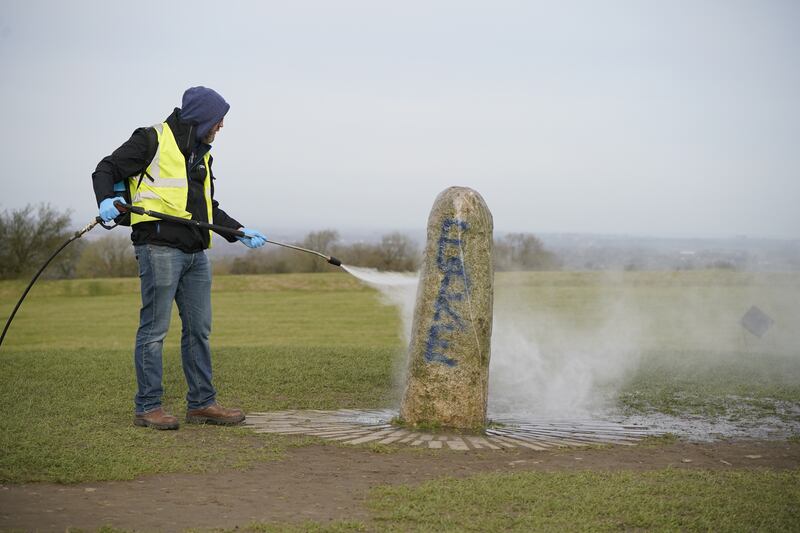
[357,426]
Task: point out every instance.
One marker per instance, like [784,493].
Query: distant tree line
[523,251]
[28,236]
[395,252]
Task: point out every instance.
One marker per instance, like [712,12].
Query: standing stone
[448,356]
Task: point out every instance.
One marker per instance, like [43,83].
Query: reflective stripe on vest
[165,187]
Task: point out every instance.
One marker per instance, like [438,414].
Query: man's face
[209,138]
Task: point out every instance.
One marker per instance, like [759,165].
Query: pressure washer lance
[155,214]
[219,229]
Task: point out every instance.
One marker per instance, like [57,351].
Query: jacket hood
[204,107]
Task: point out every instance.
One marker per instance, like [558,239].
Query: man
[167,168]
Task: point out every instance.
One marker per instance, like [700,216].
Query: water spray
[124,208]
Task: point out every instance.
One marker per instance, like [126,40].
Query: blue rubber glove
[252,238]
[108,210]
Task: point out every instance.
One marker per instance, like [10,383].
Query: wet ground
[744,418]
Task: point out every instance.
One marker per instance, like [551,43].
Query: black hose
[78,234]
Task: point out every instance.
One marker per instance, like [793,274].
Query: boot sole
[214,421]
[144,423]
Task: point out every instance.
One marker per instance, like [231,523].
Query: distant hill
[620,252]
[582,251]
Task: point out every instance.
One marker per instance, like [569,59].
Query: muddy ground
[324,482]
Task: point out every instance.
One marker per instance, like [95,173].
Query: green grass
[674,500]
[325,341]
[259,527]
[662,500]
[67,379]
[736,385]
[68,414]
[290,309]
[659,311]
[691,355]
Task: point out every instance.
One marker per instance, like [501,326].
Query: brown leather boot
[215,414]
[156,418]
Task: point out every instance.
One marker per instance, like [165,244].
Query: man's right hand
[108,211]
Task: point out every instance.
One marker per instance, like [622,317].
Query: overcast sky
[674,118]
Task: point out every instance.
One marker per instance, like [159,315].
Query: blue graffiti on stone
[453,288]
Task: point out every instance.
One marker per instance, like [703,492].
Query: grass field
[609,501]
[663,342]
[326,341]
[67,379]
[665,500]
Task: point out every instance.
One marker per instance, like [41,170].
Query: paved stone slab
[457,444]
[356,427]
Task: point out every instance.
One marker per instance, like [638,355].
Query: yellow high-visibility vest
[165,188]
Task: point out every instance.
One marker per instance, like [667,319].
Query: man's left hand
[253,238]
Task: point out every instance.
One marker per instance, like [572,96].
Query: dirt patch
[325,482]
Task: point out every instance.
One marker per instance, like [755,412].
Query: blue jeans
[167,275]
